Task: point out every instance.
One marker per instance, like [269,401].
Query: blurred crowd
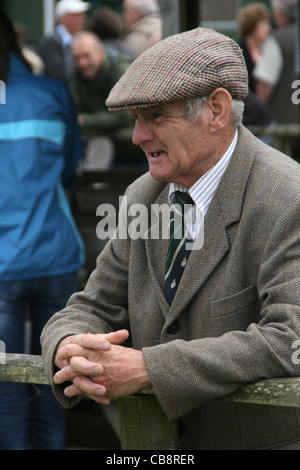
[91,63]
[90,50]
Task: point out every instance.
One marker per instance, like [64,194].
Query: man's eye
[156,116]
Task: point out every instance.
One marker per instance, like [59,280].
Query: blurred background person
[29,49]
[55,48]
[98,69]
[282,108]
[261,51]
[107,24]
[40,250]
[284,16]
[144,24]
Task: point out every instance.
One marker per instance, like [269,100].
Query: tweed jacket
[236,312]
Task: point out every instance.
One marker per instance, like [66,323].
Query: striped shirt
[203,190]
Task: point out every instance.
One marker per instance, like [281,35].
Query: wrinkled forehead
[167,108]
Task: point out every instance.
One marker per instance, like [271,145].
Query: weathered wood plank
[144,425]
[23,368]
[276,392]
[279,392]
[285,131]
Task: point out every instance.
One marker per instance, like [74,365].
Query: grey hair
[193,109]
[289,7]
[146,6]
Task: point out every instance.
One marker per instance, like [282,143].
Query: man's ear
[219,102]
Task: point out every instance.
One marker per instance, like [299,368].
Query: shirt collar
[64,34]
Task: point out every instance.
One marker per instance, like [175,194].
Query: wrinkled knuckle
[74,362]
[67,373]
[67,349]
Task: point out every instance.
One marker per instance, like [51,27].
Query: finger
[86,339]
[117,337]
[66,352]
[71,350]
[77,366]
[61,353]
[72,391]
[83,385]
[93,341]
[102,400]
[97,396]
[85,366]
[102,341]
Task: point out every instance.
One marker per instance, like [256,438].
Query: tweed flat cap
[183,66]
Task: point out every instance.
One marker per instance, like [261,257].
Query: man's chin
[87,75]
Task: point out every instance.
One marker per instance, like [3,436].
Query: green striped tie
[177,253]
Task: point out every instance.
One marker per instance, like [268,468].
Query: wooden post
[283,135]
[144,425]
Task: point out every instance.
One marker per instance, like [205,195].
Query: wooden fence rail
[143,422]
[283,135]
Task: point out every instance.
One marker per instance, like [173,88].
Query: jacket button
[173,328]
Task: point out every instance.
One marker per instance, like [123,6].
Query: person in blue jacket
[40,247]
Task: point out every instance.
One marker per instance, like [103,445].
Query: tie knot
[183,198]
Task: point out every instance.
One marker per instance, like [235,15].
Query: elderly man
[55,47]
[98,70]
[144,24]
[233,316]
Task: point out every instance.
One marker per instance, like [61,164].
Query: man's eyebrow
[149,109]
[154,109]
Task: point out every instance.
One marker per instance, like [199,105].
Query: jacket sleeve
[100,308]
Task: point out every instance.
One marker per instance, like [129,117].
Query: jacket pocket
[234,303]
[236,312]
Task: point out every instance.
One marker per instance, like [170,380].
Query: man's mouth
[155,154]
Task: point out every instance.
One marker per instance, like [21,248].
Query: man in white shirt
[55,48]
[144,23]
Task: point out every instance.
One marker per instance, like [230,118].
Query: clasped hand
[99,367]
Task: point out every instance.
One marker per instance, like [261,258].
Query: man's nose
[142,133]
